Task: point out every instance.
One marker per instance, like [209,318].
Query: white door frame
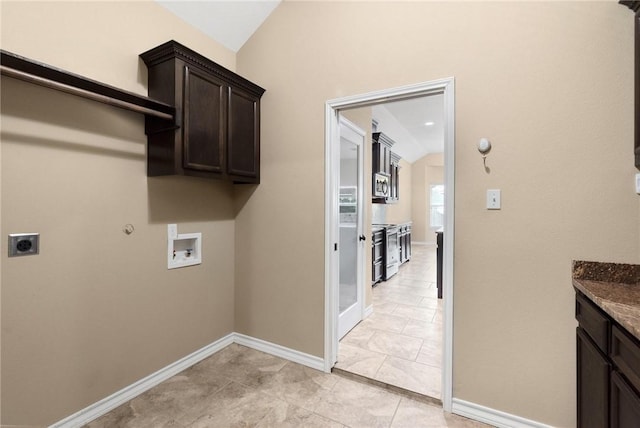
[332,108]
[356,136]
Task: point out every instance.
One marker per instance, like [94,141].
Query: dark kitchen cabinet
[381,153]
[635,7]
[387,163]
[405,242]
[216,133]
[394,168]
[593,383]
[608,370]
[625,403]
[377,256]
[439,261]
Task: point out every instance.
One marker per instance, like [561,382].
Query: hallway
[400,343]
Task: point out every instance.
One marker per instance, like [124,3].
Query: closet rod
[10,72]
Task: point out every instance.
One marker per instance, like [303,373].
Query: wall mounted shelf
[18,67]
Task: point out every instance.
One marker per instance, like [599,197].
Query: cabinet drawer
[593,321]
[625,354]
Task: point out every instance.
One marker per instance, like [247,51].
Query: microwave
[380,185]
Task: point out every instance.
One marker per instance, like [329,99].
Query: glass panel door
[351,226]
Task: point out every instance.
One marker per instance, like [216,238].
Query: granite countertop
[614,287]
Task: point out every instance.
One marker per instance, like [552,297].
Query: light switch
[638,183]
[493,199]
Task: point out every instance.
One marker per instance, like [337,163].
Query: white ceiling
[405,123]
[232,22]
[229,22]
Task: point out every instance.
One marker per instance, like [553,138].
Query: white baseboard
[424,243]
[127,393]
[280,351]
[492,416]
[367,311]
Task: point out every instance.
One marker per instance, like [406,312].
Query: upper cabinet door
[204,122]
[243,149]
[217,129]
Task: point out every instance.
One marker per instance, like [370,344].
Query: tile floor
[400,343]
[242,387]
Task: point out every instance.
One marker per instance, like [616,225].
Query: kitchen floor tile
[410,295]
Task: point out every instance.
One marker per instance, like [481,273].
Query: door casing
[446,87]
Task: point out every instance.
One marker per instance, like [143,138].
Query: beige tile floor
[241,387]
[400,343]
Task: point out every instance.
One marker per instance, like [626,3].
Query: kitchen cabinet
[386,163]
[377,255]
[216,133]
[394,183]
[635,7]
[608,369]
[381,153]
[405,242]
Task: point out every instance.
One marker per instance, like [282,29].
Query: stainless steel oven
[380,185]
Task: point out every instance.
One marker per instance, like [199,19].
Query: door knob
[362,238]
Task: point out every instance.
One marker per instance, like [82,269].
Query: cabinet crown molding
[173,49]
[633,5]
[379,137]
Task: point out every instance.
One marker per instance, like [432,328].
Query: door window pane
[436,202]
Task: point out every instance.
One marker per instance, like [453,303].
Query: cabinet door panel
[625,404]
[204,118]
[244,138]
[593,384]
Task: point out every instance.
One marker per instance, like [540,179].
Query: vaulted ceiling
[416,125]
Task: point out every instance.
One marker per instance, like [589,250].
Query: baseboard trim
[424,243]
[280,351]
[491,416]
[127,393]
[367,311]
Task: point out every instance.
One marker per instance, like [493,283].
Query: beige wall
[97,310]
[548,82]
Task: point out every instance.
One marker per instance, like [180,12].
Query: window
[436,203]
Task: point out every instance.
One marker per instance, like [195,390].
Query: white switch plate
[172,231]
[493,199]
[638,183]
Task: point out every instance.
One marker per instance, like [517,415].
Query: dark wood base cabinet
[608,370]
[377,256]
[593,383]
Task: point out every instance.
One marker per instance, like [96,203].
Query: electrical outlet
[24,244]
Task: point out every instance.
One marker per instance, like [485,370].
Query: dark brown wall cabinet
[608,370]
[216,133]
[386,162]
[635,6]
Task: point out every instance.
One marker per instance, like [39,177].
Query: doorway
[332,115]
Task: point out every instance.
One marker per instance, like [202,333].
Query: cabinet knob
[362,238]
